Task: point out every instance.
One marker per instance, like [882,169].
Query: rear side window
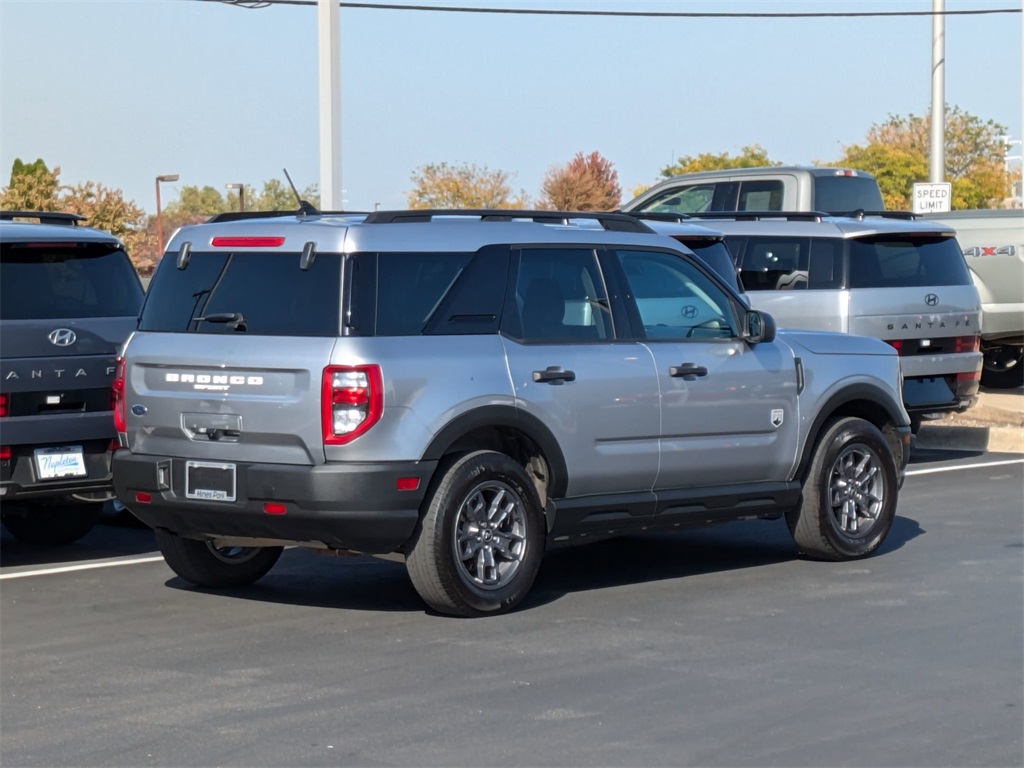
[761,195]
[789,263]
[44,281]
[844,194]
[886,262]
[264,294]
[414,294]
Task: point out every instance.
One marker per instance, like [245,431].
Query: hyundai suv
[468,388]
[886,275]
[69,297]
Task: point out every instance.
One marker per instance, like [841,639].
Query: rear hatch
[229,358]
[66,307]
[915,292]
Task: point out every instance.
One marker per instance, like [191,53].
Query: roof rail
[859,215]
[44,217]
[610,220]
[242,215]
[816,216]
[677,218]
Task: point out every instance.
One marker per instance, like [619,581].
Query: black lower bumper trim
[345,506]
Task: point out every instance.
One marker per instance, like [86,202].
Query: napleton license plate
[210,480]
[59,462]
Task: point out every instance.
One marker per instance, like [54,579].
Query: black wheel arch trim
[836,401]
[505,416]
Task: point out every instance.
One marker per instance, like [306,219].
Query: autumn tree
[752,156]
[585,183]
[897,152]
[33,187]
[440,185]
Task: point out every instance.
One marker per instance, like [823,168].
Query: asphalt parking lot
[715,647]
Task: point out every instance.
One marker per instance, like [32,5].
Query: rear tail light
[117,397]
[352,401]
[896,344]
[5,453]
[971,376]
[5,404]
[967,344]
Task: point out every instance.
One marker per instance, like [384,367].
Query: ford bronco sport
[467,388]
[69,297]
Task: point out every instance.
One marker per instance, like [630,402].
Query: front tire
[480,541]
[49,525]
[204,565]
[849,496]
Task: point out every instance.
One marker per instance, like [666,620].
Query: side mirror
[760,326]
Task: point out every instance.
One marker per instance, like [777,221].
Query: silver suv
[886,275]
[467,388]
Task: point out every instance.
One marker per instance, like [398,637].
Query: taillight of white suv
[352,401]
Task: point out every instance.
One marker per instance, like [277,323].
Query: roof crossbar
[44,217]
[609,220]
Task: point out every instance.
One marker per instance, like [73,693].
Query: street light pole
[159,213]
[241,194]
[937,159]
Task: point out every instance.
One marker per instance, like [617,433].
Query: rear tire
[480,541]
[49,525]
[849,496]
[204,565]
[1006,378]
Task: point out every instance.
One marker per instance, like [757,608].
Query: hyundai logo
[689,311]
[931,299]
[62,337]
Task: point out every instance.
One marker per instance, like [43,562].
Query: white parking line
[933,470]
[159,558]
[81,567]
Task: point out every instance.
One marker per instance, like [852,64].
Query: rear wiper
[235,320]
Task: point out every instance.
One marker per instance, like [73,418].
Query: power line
[257,4]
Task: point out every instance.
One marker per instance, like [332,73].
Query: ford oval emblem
[139,410]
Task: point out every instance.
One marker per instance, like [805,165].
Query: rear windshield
[40,281]
[844,194]
[886,262]
[264,294]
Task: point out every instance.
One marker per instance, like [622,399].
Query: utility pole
[937,159]
[329,60]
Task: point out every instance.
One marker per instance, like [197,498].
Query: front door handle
[554,374]
[687,371]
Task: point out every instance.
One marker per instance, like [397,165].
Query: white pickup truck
[993,244]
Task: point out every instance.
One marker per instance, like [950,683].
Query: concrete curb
[994,439]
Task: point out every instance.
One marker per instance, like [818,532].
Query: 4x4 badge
[777,415]
[62,337]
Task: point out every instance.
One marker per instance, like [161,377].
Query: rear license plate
[60,462]
[209,480]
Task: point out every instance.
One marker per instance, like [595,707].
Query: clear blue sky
[119,92]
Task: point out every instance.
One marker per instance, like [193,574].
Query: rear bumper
[344,506]
[18,478]
[940,394]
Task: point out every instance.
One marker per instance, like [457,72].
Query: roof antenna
[305,208]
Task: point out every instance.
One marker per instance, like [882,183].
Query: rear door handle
[687,371]
[554,374]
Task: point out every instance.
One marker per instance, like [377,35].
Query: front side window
[559,295]
[676,300]
[693,199]
[41,281]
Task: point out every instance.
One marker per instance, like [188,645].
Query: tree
[752,156]
[896,152]
[33,187]
[585,183]
[106,209]
[439,185]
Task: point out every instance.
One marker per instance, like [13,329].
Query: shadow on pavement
[369,584]
[103,541]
